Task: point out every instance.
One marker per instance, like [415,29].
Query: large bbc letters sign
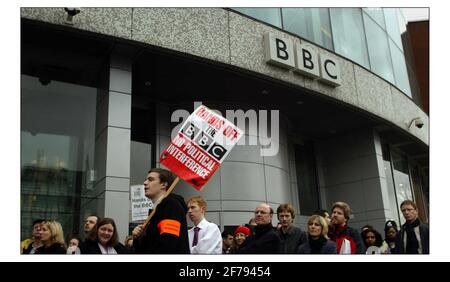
[301,58]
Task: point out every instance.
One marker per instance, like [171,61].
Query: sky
[416,14]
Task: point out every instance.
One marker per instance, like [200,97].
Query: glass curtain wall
[377,15]
[371,37]
[392,194]
[405,181]
[401,179]
[268,15]
[310,23]
[348,34]
[62,77]
[400,72]
[57,151]
[421,200]
[379,55]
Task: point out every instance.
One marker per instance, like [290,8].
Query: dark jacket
[167,232]
[265,241]
[91,247]
[291,240]
[54,249]
[338,233]
[27,249]
[329,247]
[424,232]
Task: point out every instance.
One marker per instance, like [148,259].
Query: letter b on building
[279,51]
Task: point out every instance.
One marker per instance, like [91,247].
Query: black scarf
[316,244]
[337,231]
[412,245]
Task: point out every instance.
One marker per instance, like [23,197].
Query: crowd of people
[167,232]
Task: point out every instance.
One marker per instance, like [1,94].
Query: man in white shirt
[205,236]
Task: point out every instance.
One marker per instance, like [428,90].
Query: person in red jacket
[166,232]
[348,240]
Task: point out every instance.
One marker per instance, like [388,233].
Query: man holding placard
[202,144]
[166,232]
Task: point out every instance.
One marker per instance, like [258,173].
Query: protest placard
[200,146]
[139,203]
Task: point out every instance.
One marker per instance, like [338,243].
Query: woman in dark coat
[52,238]
[318,242]
[103,239]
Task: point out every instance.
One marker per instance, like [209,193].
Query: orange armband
[169,226]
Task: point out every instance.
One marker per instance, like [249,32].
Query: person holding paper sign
[166,232]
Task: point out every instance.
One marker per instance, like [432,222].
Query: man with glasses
[414,236]
[266,239]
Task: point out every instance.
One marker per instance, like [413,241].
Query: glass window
[425,184]
[268,15]
[401,179]
[310,23]
[377,15]
[143,135]
[419,195]
[401,21]
[306,178]
[348,34]
[57,150]
[392,26]
[391,193]
[61,77]
[380,58]
[400,72]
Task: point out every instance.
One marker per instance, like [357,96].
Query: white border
[10,146]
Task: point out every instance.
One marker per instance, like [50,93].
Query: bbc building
[330,100]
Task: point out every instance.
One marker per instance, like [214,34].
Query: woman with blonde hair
[52,238]
[318,241]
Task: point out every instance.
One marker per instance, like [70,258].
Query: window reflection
[400,72]
[310,23]
[377,15]
[348,34]
[392,26]
[268,15]
[342,30]
[401,178]
[390,183]
[380,57]
[57,151]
